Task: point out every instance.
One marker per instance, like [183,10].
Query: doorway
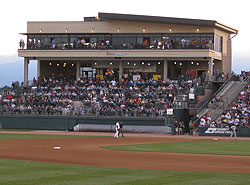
[88,73]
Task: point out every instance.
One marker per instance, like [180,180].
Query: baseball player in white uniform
[117,129]
[233,131]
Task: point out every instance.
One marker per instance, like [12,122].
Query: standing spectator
[21,44]
[180,128]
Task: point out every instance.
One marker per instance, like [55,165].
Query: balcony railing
[105,46]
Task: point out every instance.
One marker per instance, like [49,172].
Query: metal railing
[204,106]
[229,99]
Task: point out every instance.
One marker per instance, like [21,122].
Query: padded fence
[126,128]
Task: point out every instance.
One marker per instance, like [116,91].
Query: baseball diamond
[88,151]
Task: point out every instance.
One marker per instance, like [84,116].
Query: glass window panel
[139,40]
[58,40]
[127,35]
[93,39]
[65,40]
[101,37]
[127,40]
[46,40]
[120,35]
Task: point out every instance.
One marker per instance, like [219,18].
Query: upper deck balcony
[121,45]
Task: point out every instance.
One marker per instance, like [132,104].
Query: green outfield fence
[46,122]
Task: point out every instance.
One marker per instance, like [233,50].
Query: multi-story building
[114,45]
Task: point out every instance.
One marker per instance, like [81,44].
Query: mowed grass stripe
[5,136]
[234,147]
[14,172]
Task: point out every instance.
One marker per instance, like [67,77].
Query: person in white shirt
[117,129]
[202,122]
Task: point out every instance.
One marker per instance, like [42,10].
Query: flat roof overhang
[125,54]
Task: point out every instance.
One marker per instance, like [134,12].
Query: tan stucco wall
[111,27]
[226,64]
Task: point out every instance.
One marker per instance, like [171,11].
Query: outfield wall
[212,131]
[68,122]
[49,122]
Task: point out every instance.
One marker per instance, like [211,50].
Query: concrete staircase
[227,93]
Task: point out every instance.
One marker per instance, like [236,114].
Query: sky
[14,15]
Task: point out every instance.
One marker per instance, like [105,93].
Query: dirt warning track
[88,151]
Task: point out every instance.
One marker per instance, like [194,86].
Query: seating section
[238,113]
[96,98]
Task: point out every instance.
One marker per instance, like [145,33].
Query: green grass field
[13,172]
[4,136]
[234,147]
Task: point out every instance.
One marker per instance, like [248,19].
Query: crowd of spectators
[96,97]
[238,113]
[82,43]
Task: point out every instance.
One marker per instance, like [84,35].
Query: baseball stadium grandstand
[156,74]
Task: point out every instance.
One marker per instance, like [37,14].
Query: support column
[26,67]
[210,68]
[120,70]
[101,71]
[38,69]
[77,70]
[165,70]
